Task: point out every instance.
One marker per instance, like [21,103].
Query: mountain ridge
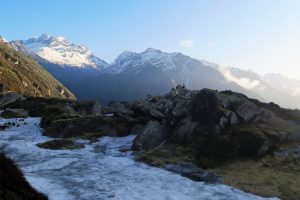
[176,67]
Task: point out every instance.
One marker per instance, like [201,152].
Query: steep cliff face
[19,73]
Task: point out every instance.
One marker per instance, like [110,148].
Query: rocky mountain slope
[67,62]
[20,73]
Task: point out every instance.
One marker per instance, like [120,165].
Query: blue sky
[261,35]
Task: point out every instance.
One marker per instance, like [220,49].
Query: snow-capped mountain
[135,75]
[128,60]
[58,50]
[180,69]
[69,63]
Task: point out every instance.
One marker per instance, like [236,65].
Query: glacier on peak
[157,58]
[59,50]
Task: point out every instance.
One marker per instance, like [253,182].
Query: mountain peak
[44,36]
[2,39]
[150,49]
[59,50]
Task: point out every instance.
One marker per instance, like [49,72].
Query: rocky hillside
[69,63]
[20,73]
[13,185]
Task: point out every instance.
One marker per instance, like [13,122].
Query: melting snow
[100,171]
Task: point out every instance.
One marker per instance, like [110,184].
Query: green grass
[269,177]
[20,73]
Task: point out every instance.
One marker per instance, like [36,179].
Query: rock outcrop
[13,185]
[88,107]
[193,172]
[151,136]
[14,113]
[219,125]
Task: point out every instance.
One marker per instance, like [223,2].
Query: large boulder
[119,108]
[152,136]
[151,109]
[55,112]
[36,105]
[205,108]
[88,107]
[185,131]
[9,98]
[14,113]
[86,126]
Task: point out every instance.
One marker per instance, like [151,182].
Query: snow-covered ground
[100,170]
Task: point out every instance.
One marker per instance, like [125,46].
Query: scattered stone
[14,113]
[189,170]
[60,144]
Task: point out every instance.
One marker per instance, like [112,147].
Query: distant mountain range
[135,75]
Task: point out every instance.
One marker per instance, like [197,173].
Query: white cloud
[296,92]
[186,43]
[212,44]
[242,81]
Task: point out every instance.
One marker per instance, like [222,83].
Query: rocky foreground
[13,184]
[204,135]
[104,169]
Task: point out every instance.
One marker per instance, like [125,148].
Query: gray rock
[155,113]
[152,136]
[9,98]
[152,109]
[119,108]
[184,132]
[85,127]
[137,129]
[247,111]
[189,170]
[180,110]
[14,113]
[60,144]
[88,107]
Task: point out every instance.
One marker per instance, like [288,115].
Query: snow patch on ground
[100,170]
